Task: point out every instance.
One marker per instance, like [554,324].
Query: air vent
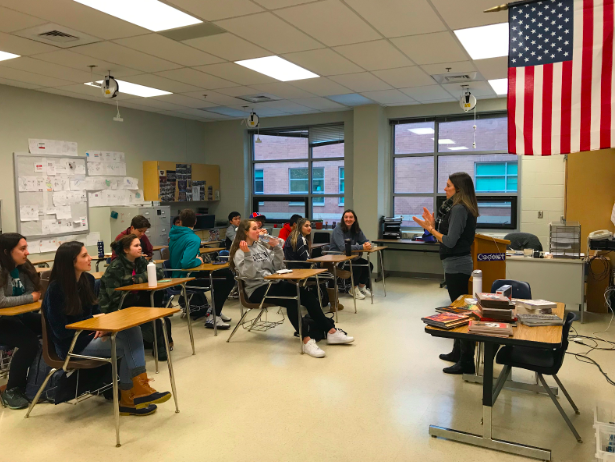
[462,77]
[259,98]
[56,35]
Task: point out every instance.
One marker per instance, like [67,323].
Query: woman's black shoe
[460,367]
[452,357]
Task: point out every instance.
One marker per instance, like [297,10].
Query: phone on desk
[600,235]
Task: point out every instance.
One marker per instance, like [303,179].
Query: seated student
[349,228]
[19,285]
[131,268]
[253,260]
[234,219]
[177,221]
[184,248]
[260,221]
[138,226]
[70,298]
[289,227]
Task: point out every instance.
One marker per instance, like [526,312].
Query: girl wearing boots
[70,298]
[454,228]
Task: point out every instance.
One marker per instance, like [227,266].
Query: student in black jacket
[454,228]
[70,298]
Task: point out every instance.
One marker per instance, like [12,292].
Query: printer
[390,227]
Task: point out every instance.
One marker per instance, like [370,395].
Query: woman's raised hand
[243,245]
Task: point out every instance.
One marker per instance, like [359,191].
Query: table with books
[460,321]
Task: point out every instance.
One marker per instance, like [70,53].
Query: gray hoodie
[259,262]
[6,293]
[338,237]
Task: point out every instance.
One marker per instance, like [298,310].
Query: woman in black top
[454,228]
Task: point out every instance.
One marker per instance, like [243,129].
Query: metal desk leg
[384,284]
[337,299]
[318,292]
[299,316]
[170,364]
[124,294]
[369,269]
[213,303]
[354,299]
[151,302]
[116,401]
[189,318]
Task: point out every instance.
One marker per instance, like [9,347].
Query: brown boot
[331,293]
[143,394]
[127,405]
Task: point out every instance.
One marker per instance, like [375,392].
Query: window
[427,151]
[302,166]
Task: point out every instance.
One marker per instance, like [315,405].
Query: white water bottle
[477,282]
[151,275]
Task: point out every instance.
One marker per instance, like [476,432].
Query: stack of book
[471,311]
[446,320]
[534,320]
[537,306]
[490,329]
[495,307]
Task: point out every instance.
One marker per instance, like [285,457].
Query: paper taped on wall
[40,146]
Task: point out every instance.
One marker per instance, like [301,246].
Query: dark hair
[355,228]
[176,219]
[261,218]
[233,215]
[294,219]
[77,294]
[140,222]
[8,242]
[122,245]
[242,232]
[188,218]
[464,192]
[296,234]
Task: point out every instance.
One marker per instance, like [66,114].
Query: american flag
[560,77]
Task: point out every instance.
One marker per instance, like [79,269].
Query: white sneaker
[339,337]
[209,324]
[222,316]
[356,293]
[310,348]
[365,291]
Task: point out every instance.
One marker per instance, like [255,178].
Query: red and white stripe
[568,107]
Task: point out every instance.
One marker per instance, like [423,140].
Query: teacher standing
[454,227]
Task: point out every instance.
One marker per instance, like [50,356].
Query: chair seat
[531,359]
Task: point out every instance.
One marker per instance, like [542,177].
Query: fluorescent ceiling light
[500,86]
[133,89]
[421,131]
[277,68]
[485,41]
[151,14]
[457,148]
[445,141]
[4,56]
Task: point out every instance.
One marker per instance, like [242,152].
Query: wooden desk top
[210,242]
[20,309]
[375,248]
[211,250]
[38,262]
[205,267]
[405,241]
[538,337]
[296,275]
[158,262]
[97,274]
[158,247]
[331,258]
[161,285]
[123,319]
[42,270]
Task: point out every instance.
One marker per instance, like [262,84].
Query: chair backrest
[165,253]
[50,356]
[521,241]
[45,275]
[520,289]
[322,238]
[97,283]
[165,265]
[241,288]
[560,352]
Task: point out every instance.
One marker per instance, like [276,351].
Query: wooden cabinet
[179,182]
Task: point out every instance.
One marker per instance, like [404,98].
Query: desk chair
[542,362]
[520,289]
[172,292]
[165,254]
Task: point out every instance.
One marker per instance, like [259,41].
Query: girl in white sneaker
[252,260]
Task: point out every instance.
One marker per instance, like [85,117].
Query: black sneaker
[129,410]
[15,399]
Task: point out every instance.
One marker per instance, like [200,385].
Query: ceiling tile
[194,112]
[263,111]
[493,68]
[458,15]
[196,78]
[16,83]
[237,91]
[361,82]
[133,105]
[115,53]
[322,104]
[270,32]
[396,18]
[35,79]
[228,46]
[405,77]
[426,93]
[163,105]
[77,16]
[212,10]
[13,20]
[49,69]
[440,47]
[374,55]
[330,21]
[460,66]
[22,46]
[236,73]
[213,97]
[165,48]
[77,61]
[283,90]
[321,86]
[184,100]
[388,97]
[161,83]
[286,106]
[215,116]
[323,62]
[93,92]
[481,88]
[274,4]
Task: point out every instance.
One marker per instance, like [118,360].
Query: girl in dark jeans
[19,285]
[253,261]
[454,228]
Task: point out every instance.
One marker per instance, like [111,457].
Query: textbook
[537,306]
[471,313]
[446,320]
[491,329]
[487,300]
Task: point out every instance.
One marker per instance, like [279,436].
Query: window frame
[506,176]
[436,154]
[341,185]
[261,180]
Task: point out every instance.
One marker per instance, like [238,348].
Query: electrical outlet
[540,214]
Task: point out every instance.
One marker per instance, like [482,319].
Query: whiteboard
[50,195]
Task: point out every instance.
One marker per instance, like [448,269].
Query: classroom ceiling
[385,50]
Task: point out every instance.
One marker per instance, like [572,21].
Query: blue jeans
[129,345]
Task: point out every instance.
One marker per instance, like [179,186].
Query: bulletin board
[50,195]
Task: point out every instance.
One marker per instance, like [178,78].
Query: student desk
[116,322]
[206,251]
[163,284]
[21,309]
[207,243]
[532,337]
[378,250]
[42,269]
[45,262]
[334,260]
[296,277]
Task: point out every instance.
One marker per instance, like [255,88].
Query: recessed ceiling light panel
[445,141]
[485,41]
[4,56]
[457,148]
[133,89]
[277,68]
[500,86]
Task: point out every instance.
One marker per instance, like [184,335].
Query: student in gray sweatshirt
[253,260]
[349,228]
[234,218]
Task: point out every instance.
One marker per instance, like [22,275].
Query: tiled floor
[257,399]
